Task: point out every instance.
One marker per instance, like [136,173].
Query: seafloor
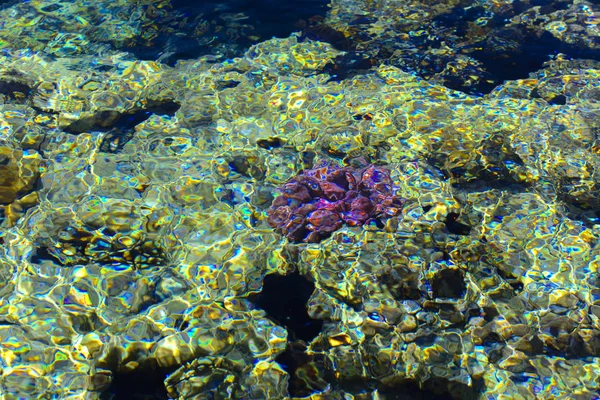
[141,149]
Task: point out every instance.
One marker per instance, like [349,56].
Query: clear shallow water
[135,196]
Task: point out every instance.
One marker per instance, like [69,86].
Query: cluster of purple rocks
[319,201]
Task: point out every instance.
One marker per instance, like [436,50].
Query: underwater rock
[132,246]
[319,201]
[18,172]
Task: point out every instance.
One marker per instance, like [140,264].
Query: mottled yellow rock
[18,171]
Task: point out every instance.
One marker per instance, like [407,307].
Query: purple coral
[319,201]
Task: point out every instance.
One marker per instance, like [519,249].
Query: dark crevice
[325,33]
[589,217]
[348,65]
[225,84]
[246,166]
[456,227]
[284,299]
[270,143]
[307,372]
[141,384]
[512,280]
[449,283]
[108,120]
[433,389]
[42,254]
[121,128]
[85,323]
[489,313]
[559,100]
[15,91]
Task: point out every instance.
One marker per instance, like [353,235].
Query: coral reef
[319,201]
[138,201]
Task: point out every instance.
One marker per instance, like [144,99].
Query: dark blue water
[228,28]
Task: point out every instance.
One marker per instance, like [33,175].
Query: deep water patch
[512,54]
[228,27]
